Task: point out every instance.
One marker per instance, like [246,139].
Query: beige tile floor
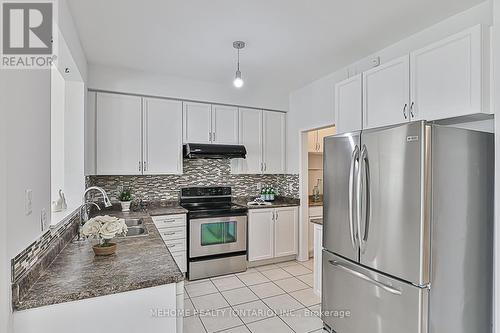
[273,298]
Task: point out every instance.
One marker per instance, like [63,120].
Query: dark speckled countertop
[76,274]
[279,202]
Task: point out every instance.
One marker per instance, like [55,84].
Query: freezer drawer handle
[365,277]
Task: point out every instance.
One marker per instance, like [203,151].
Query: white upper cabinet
[447,77]
[119,134]
[322,134]
[349,104]
[274,142]
[162,144]
[312,141]
[197,122]
[224,124]
[250,135]
[386,93]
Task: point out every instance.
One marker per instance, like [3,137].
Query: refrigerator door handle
[363,187]
[352,171]
[362,276]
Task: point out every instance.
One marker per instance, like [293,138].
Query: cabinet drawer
[315,211]
[181,260]
[176,245]
[169,221]
[172,233]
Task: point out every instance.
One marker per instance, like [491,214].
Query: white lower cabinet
[172,229]
[272,233]
[318,260]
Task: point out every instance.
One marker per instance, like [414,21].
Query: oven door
[217,235]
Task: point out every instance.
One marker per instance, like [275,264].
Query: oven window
[218,233]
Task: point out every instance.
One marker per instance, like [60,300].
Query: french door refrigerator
[408,230]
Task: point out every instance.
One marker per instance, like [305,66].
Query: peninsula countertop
[76,274]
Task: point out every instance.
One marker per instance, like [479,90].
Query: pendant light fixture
[238,81]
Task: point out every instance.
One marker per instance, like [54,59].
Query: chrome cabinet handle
[213,136]
[411,110]
[144,166]
[404,111]
[169,233]
[352,170]
[210,136]
[173,245]
[140,166]
[362,276]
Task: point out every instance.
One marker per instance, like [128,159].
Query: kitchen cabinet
[315,139]
[250,135]
[272,233]
[206,123]
[386,93]
[318,258]
[172,230]
[447,77]
[349,104]
[90,134]
[118,134]
[137,136]
[162,144]
[274,144]
[197,120]
[224,125]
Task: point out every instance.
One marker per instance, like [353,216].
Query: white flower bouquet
[104,228]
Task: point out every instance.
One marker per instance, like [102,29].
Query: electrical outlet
[44,221]
[28,201]
[259,186]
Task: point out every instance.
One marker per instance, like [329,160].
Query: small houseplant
[125,199]
[104,228]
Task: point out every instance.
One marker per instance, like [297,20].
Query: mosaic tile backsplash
[202,172]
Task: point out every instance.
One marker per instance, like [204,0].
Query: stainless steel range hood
[212,151]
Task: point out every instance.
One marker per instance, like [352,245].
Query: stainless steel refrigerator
[408,230]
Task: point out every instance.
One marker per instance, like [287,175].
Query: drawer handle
[173,245]
[365,277]
[169,233]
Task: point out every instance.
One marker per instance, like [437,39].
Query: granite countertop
[166,208]
[318,220]
[279,202]
[313,203]
[76,274]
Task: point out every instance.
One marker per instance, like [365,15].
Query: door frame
[303,230]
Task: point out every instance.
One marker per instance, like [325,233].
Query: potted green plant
[125,198]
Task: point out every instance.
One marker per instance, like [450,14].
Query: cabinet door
[162,136]
[119,135]
[197,122]
[349,104]
[386,94]
[90,134]
[446,77]
[285,232]
[322,134]
[250,135]
[260,234]
[224,125]
[312,141]
[274,142]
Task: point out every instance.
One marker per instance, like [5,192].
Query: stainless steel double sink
[135,227]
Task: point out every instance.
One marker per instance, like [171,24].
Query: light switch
[43,219]
[28,201]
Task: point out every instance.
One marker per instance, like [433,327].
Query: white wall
[5,316]
[313,105]
[139,82]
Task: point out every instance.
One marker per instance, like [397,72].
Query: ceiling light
[238,81]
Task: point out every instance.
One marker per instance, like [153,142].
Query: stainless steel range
[217,232]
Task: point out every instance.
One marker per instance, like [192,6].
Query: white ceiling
[289,42]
